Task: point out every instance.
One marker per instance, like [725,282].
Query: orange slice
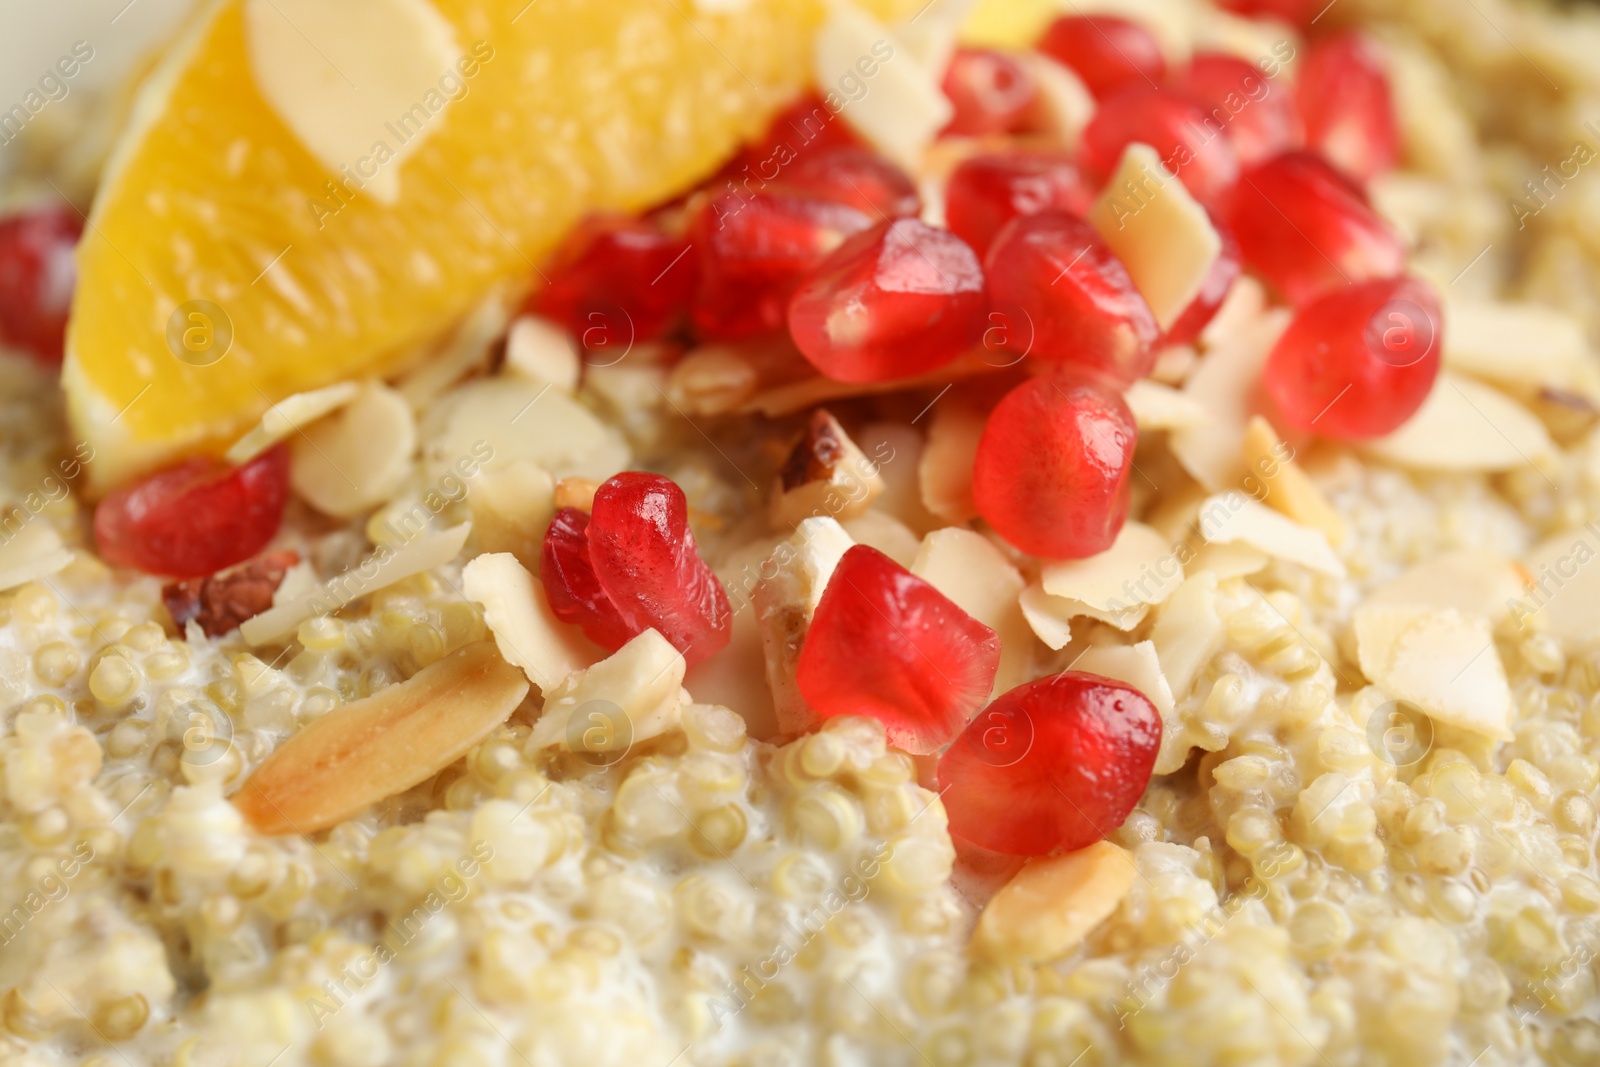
[216,226]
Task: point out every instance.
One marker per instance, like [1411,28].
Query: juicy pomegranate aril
[570,584]
[990,91]
[1056,764]
[885,643]
[1074,296]
[1306,228]
[196,518]
[857,177]
[754,251]
[625,278]
[891,302]
[1348,108]
[1258,114]
[986,192]
[1051,474]
[1189,142]
[1358,361]
[37,276]
[1105,51]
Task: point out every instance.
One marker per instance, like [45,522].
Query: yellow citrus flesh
[583,105]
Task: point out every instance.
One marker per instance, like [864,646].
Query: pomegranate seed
[1105,51]
[1306,228]
[571,587]
[1189,142]
[1348,110]
[1219,279]
[1056,273]
[753,253]
[1057,763]
[196,518]
[1358,361]
[885,643]
[623,277]
[37,274]
[644,556]
[986,192]
[891,302]
[804,127]
[858,177]
[1051,474]
[1259,117]
[990,90]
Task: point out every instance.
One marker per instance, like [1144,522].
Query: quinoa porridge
[1067,546]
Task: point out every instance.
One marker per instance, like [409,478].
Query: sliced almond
[896,449]
[944,470]
[1225,384]
[904,109]
[1137,665]
[1160,232]
[541,351]
[513,418]
[632,695]
[1516,345]
[825,474]
[511,509]
[1443,661]
[1139,568]
[356,458]
[1053,903]
[1279,481]
[1233,517]
[526,631]
[1474,581]
[1560,594]
[1161,407]
[576,493]
[713,380]
[969,569]
[1064,104]
[1235,560]
[1050,617]
[33,552]
[383,567]
[788,397]
[464,349]
[289,415]
[885,533]
[1188,631]
[370,749]
[1465,425]
[792,581]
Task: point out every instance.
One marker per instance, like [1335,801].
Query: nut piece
[792,581]
[361,753]
[356,458]
[944,470]
[1286,487]
[289,415]
[978,579]
[576,493]
[825,474]
[33,553]
[511,509]
[713,380]
[632,695]
[541,351]
[1466,426]
[222,601]
[525,629]
[1053,903]
[1232,517]
[1225,384]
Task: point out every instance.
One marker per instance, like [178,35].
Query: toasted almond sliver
[1518,345]
[1050,617]
[1160,232]
[885,533]
[1233,517]
[356,458]
[402,735]
[1053,903]
[541,351]
[970,570]
[289,415]
[632,695]
[1161,407]
[425,552]
[525,629]
[1140,567]
[34,552]
[1474,581]
[1235,560]
[792,396]
[905,108]
[944,470]
[1443,661]
[1188,631]
[1561,592]
[1464,425]
[1225,384]
[1288,488]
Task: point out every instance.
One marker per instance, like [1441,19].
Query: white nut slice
[1225,384]
[1053,903]
[1561,594]
[1474,581]
[1233,517]
[32,553]
[905,108]
[1466,426]
[1065,105]
[792,581]
[1287,488]
[1140,568]
[355,459]
[511,509]
[944,470]
[541,351]
[713,380]
[632,695]
[521,419]
[289,415]
[526,631]
[1161,407]
[825,474]
[1443,661]
[1188,631]
[978,579]
[1516,345]
[402,735]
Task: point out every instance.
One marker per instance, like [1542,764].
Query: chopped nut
[1225,384]
[1442,661]
[541,351]
[223,601]
[504,419]
[1466,426]
[885,533]
[944,470]
[525,629]
[1161,407]
[713,380]
[404,734]
[1232,517]
[576,493]
[825,474]
[1284,486]
[32,553]
[356,458]
[1053,903]
[1064,105]
[291,414]
[793,579]
[511,509]
[632,695]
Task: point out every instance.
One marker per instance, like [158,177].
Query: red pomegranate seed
[1219,279]
[196,518]
[885,643]
[1189,142]
[1055,273]
[1051,475]
[571,587]
[1348,109]
[891,302]
[1359,360]
[37,274]
[622,278]
[804,127]
[991,93]
[858,177]
[1258,114]
[644,556]
[986,192]
[1057,763]
[1306,228]
[1105,51]
[753,253]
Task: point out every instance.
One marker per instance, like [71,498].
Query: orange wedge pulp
[584,104]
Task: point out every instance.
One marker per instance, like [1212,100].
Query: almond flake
[289,415]
[1465,425]
[905,107]
[944,470]
[1225,384]
[713,380]
[1288,489]
[541,351]
[1560,594]
[356,458]
[1474,581]
[632,695]
[220,602]
[970,570]
[461,350]
[576,493]
[1516,345]
[1443,661]
[1161,407]
[1050,617]
[1053,903]
[371,749]
[825,474]
[526,631]
[1234,517]
[885,533]
[793,578]
[806,393]
[511,509]
[1161,233]
[1139,568]
[1234,560]
[1138,666]
[1188,631]
[32,553]
[383,567]
[520,419]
